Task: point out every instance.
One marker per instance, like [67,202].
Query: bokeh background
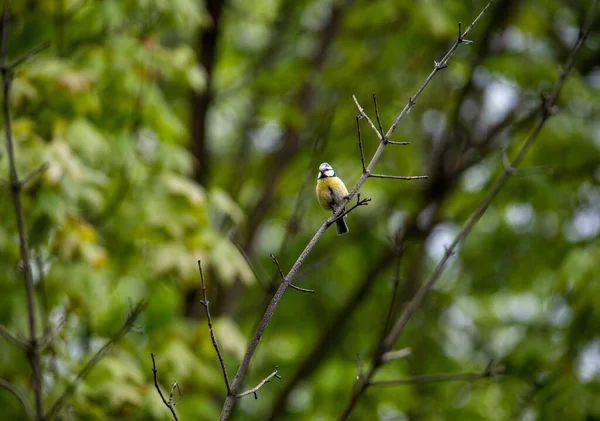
[184,130]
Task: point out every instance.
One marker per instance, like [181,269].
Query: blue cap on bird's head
[326,170]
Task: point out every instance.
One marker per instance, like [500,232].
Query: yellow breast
[331,192]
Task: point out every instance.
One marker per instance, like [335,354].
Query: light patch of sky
[519,216]
[458,318]
[439,240]
[458,344]
[499,99]
[516,307]
[396,221]
[505,339]
[476,177]
[593,78]
[558,312]
[267,137]
[586,223]
[588,364]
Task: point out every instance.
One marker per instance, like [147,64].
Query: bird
[331,192]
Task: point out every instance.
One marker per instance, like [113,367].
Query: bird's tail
[341,227]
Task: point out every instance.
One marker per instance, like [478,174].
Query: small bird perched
[331,192]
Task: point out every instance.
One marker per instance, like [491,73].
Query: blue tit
[331,192]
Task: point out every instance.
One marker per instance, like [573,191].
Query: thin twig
[360,145]
[14,339]
[204,302]
[443,377]
[36,173]
[364,115]
[377,115]
[255,389]
[16,187]
[363,202]
[70,389]
[268,314]
[396,355]
[283,277]
[400,177]
[548,109]
[5,384]
[29,55]
[547,105]
[438,66]
[169,403]
[398,143]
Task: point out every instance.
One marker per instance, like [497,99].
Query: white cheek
[329,173]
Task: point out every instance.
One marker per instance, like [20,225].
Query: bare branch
[396,355]
[169,403]
[255,389]
[377,115]
[359,203]
[283,277]
[29,55]
[360,146]
[268,314]
[70,389]
[548,105]
[16,186]
[366,117]
[398,143]
[443,377]
[14,339]
[437,67]
[400,177]
[204,302]
[36,173]
[5,384]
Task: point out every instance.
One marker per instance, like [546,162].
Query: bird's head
[325,170]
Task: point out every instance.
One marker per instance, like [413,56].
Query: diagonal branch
[359,203]
[443,377]
[14,339]
[548,108]
[400,177]
[204,302]
[5,384]
[70,389]
[16,187]
[252,346]
[29,55]
[255,389]
[548,104]
[169,404]
[283,276]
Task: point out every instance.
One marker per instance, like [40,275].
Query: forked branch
[168,403]
[339,212]
[204,302]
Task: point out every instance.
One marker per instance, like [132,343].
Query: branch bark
[241,373]
[548,109]
[16,187]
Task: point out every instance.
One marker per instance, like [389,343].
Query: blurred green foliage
[120,215]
